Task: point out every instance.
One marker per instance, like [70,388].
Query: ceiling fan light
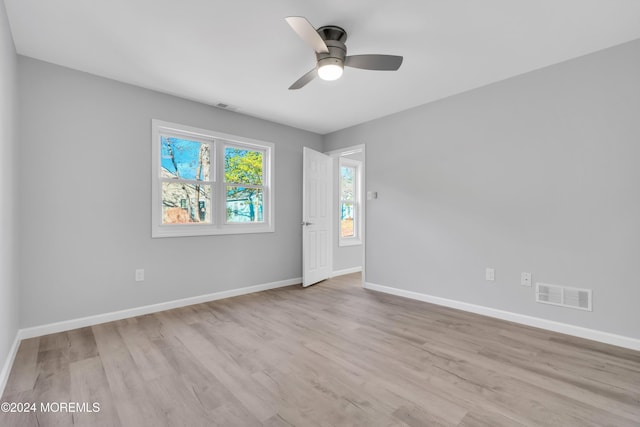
[329,72]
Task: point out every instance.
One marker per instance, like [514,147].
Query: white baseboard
[342,272]
[6,368]
[82,322]
[578,331]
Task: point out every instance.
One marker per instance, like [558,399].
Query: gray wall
[85,200]
[344,257]
[8,219]
[538,173]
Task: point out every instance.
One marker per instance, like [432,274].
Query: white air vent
[563,296]
[225,106]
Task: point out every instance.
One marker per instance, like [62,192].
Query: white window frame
[357,202]
[218,141]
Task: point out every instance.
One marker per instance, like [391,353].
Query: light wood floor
[330,355]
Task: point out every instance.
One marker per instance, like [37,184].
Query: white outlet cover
[525,279]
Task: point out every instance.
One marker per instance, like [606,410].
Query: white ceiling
[244,54]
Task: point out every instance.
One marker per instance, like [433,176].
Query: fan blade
[302,81]
[374,62]
[305,30]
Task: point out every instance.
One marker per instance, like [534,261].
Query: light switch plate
[490,274]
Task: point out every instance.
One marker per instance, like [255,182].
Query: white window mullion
[219,196]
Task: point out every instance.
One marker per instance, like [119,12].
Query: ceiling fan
[331,53]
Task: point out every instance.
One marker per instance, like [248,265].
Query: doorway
[348,207]
[333,224]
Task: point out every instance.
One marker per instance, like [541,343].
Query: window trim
[218,141]
[357,201]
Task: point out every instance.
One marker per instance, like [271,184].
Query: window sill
[206,230]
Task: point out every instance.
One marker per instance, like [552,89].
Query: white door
[316,216]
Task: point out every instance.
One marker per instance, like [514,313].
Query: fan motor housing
[334,37]
[337,53]
[333,32]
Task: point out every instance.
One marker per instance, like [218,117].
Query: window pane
[186,203]
[347,211]
[244,204]
[346,180]
[185,159]
[242,166]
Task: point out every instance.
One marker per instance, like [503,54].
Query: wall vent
[563,296]
[225,106]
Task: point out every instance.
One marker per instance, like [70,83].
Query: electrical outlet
[140,275]
[525,279]
[490,274]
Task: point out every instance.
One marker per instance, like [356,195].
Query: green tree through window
[243,174]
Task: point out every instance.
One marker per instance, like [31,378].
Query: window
[349,203]
[208,183]
[243,177]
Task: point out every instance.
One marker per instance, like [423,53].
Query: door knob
[306,223]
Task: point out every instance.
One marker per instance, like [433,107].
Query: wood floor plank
[148,359]
[202,385]
[130,393]
[229,373]
[89,387]
[173,399]
[53,383]
[24,373]
[82,344]
[333,354]
[13,419]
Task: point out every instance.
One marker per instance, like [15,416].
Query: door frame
[341,152]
